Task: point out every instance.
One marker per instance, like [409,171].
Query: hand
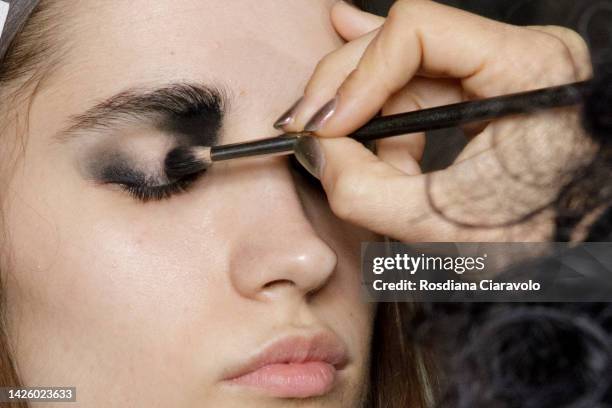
[423,55]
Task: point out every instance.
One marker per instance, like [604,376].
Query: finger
[352,23]
[404,152]
[329,74]
[475,200]
[490,58]
[577,49]
[481,135]
[356,27]
[366,191]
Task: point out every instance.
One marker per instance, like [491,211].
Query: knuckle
[571,38]
[325,64]
[379,70]
[557,57]
[403,9]
[385,69]
[355,75]
[554,44]
[354,81]
[577,46]
[319,75]
[384,54]
[398,10]
[567,50]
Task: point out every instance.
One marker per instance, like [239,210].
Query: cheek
[121,262]
[117,286]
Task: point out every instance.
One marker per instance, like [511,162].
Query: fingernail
[309,153]
[322,116]
[287,117]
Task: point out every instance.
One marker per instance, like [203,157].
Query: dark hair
[19,12]
[12,55]
[536,355]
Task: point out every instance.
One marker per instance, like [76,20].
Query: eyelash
[146,193]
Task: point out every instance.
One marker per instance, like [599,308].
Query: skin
[148,304]
[424,55]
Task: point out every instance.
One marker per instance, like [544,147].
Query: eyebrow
[183,108]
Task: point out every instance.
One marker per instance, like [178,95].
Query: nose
[278,251]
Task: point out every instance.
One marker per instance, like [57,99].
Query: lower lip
[298,380]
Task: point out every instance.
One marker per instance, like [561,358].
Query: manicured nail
[309,153]
[287,117]
[322,116]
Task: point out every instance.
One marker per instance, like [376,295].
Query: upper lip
[323,346]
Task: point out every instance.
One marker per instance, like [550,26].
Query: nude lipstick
[293,367]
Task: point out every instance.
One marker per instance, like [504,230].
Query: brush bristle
[183,162]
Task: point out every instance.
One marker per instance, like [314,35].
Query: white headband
[4,9]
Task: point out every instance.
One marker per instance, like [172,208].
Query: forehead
[203,39]
[263,49]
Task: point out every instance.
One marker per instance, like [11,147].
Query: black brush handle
[473,111]
[428,119]
[271,145]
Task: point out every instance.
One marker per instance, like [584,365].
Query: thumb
[364,190]
[352,23]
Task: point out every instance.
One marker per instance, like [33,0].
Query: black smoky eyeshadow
[109,166]
[193,114]
[121,173]
[142,186]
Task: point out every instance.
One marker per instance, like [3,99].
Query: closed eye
[147,193]
[143,186]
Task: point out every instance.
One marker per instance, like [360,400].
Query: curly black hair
[534,355]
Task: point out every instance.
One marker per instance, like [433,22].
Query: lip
[293,367]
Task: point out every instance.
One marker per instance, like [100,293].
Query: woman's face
[146,302]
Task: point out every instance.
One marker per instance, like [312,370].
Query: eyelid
[140,184]
[147,193]
[157,193]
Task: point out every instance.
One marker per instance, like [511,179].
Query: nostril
[278,283]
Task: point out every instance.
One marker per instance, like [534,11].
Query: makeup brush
[187,160]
